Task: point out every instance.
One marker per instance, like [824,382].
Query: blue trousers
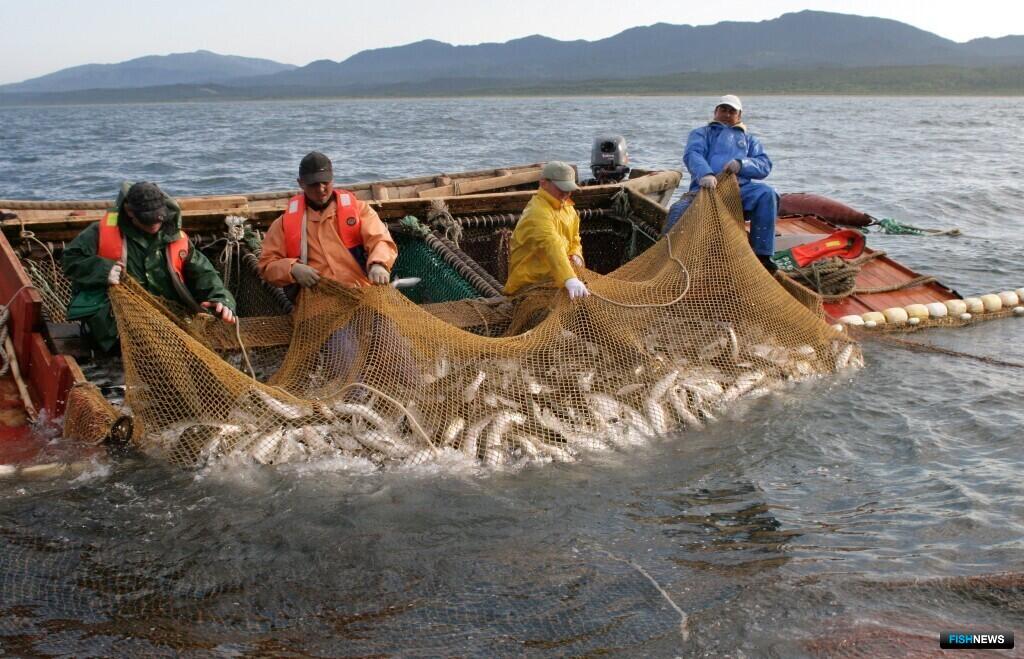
[760,207]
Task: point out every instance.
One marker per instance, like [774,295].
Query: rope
[923,347]
[245,353]
[232,251]
[5,315]
[620,204]
[916,281]
[892,227]
[652,305]
[412,225]
[439,216]
[835,278]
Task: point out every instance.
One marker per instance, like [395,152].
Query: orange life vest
[346,221]
[112,245]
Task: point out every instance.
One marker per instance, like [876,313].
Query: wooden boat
[876,273]
[464,221]
[486,202]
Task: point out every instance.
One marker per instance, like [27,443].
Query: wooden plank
[481,185]
[212,203]
[379,192]
[655,183]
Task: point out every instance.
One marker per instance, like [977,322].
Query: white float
[918,311]
[991,302]
[937,309]
[896,315]
[974,305]
[1009,298]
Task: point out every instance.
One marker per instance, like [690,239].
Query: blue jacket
[710,148]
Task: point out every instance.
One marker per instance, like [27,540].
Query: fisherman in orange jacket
[326,232]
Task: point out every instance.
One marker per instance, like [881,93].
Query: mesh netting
[662,344]
[54,288]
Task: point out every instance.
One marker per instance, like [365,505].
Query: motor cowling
[609,161]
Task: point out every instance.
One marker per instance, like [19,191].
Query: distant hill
[802,40]
[890,80]
[807,51]
[202,66]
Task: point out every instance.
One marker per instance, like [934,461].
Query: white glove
[577,260]
[114,276]
[576,288]
[378,274]
[732,167]
[221,310]
[709,182]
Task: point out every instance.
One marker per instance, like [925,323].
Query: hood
[172,225]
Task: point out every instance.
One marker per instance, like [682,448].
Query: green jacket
[146,263]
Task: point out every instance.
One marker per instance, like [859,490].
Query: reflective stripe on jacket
[112,245]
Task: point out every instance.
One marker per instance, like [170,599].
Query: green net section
[440,282]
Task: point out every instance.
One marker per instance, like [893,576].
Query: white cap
[732,101]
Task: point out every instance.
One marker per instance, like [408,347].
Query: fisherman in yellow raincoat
[546,242]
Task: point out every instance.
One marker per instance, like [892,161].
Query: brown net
[663,343]
[90,415]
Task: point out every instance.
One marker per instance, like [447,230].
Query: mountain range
[800,43]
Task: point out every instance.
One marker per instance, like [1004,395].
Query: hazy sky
[42,36]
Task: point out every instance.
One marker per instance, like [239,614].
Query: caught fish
[361,411]
[677,399]
[280,408]
[451,433]
[493,454]
[550,420]
[656,416]
[441,367]
[264,449]
[629,389]
[662,386]
[470,442]
[381,442]
[843,358]
[471,390]
[742,385]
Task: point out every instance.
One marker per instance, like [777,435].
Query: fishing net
[663,343]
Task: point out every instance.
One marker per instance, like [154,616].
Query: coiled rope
[835,278]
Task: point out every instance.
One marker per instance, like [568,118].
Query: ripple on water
[810,521]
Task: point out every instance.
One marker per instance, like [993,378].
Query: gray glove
[709,182]
[304,275]
[378,274]
[732,167]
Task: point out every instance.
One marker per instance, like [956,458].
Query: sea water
[850,512]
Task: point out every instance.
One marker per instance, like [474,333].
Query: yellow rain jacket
[544,238]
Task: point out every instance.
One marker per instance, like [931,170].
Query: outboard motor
[609,161]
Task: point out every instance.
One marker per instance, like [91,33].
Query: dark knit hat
[315,168]
[146,202]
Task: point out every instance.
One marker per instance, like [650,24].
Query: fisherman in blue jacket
[724,145]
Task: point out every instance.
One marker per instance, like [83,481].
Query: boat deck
[880,272]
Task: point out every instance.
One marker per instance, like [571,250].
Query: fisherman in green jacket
[143,234]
